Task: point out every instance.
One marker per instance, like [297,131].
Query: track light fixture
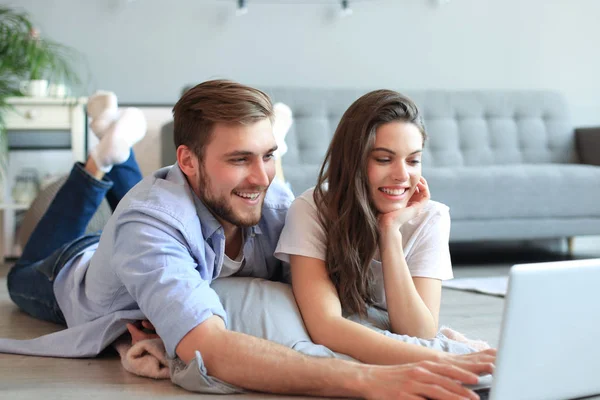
[346,11]
[242,8]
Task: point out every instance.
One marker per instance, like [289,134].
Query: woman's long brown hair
[345,208]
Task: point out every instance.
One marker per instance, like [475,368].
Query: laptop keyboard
[484,393]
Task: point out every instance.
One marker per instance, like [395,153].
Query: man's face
[238,168]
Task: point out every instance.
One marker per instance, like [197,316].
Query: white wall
[147,50]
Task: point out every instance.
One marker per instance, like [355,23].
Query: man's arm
[260,365]
[162,276]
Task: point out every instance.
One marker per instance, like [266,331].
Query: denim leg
[123,176]
[31,285]
[67,216]
[59,236]
[33,292]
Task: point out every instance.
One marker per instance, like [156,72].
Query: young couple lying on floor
[366,238]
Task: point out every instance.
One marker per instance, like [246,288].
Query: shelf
[13,206]
[33,148]
[47,100]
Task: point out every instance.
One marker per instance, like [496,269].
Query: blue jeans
[59,236]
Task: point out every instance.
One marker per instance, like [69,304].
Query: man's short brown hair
[213,102]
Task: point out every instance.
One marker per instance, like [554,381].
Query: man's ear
[187,160]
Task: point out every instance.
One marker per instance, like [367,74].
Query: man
[215,213]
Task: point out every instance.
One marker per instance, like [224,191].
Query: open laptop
[550,338]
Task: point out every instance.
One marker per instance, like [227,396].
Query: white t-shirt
[424,239]
[230,266]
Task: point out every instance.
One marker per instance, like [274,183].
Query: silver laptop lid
[549,345]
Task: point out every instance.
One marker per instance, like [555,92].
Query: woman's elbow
[429,334]
[422,332]
[321,330]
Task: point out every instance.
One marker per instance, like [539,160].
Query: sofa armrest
[587,141]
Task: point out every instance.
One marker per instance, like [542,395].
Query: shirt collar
[208,222]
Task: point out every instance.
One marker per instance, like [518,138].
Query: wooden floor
[23,377]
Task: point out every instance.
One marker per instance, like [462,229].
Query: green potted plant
[26,57]
[50,61]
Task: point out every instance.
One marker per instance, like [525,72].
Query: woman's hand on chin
[392,221]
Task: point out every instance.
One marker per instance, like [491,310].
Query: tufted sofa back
[465,128]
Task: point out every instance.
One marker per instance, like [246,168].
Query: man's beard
[220,207]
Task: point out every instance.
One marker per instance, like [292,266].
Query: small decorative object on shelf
[26,186]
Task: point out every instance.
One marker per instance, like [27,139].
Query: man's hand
[395,219]
[481,362]
[423,380]
[146,331]
[441,380]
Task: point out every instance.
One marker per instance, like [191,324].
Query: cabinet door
[36,116]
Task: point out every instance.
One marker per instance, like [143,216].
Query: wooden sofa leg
[279,170]
[570,244]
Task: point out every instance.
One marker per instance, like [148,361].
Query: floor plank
[23,377]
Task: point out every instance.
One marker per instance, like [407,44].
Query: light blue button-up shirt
[156,258]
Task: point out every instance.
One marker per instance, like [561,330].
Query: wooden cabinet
[35,118]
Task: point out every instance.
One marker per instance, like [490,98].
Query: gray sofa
[509,164]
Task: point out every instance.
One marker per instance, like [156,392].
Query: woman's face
[394,166]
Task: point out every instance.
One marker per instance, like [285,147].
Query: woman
[368,235]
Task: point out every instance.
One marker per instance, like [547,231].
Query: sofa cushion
[517,191]
[472,128]
[465,128]
[301,177]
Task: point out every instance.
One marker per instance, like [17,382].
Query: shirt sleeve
[302,233]
[430,256]
[159,272]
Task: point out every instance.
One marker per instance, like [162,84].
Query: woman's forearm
[409,315]
[368,346]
